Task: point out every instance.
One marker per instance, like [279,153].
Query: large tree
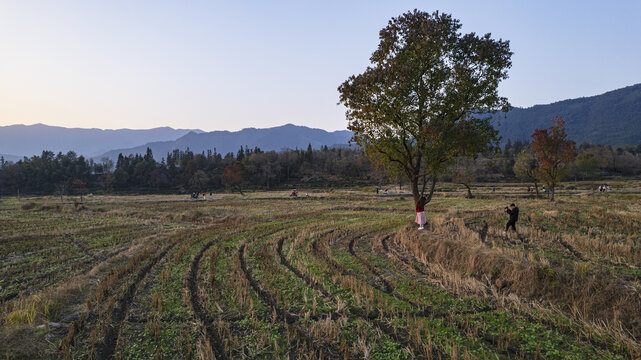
[425,97]
[554,152]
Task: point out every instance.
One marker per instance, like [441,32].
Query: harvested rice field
[336,275]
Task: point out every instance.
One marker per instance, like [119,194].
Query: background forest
[185,171]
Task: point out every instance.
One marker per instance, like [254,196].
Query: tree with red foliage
[553,153]
[234,176]
[79,187]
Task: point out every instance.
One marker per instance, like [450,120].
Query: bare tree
[465,172]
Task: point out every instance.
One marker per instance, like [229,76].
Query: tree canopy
[420,103]
[553,153]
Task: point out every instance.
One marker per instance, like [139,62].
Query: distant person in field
[420,213]
[513,211]
[211,196]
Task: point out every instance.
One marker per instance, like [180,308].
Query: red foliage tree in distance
[233,177]
[553,153]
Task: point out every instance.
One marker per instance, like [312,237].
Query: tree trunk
[551,193]
[536,187]
[415,192]
[469,192]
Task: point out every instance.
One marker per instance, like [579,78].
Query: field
[340,274]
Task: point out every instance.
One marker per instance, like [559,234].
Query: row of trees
[250,167]
[186,171]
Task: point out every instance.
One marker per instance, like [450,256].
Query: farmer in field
[420,212]
[513,211]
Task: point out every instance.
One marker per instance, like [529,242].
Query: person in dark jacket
[513,211]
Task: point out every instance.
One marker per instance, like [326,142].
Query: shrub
[28,206]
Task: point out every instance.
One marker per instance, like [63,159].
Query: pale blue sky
[234,64]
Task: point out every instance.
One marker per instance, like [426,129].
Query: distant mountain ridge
[612,118]
[28,140]
[267,139]
[10,158]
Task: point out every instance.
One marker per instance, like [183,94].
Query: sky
[228,65]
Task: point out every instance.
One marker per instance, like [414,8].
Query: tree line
[186,171]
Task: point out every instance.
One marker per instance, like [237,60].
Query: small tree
[79,187]
[234,176]
[553,153]
[465,172]
[421,102]
[586,163]
[60,189]
[199,180]
[525,168]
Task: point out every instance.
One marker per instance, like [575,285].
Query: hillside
[612,118]
[275,138]
[28,140]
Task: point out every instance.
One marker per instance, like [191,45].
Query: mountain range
[612,118]
[17,141]
[275,138]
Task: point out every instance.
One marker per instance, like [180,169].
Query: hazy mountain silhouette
[28,140]
[612,118]
[275,138]
[10,158]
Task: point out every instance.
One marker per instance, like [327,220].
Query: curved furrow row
[106,348]
[287,317]
[386,287]
[425,311]
[495,304]
[357,311]
[98,330]
[211,332]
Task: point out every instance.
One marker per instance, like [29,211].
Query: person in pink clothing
[421,220]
